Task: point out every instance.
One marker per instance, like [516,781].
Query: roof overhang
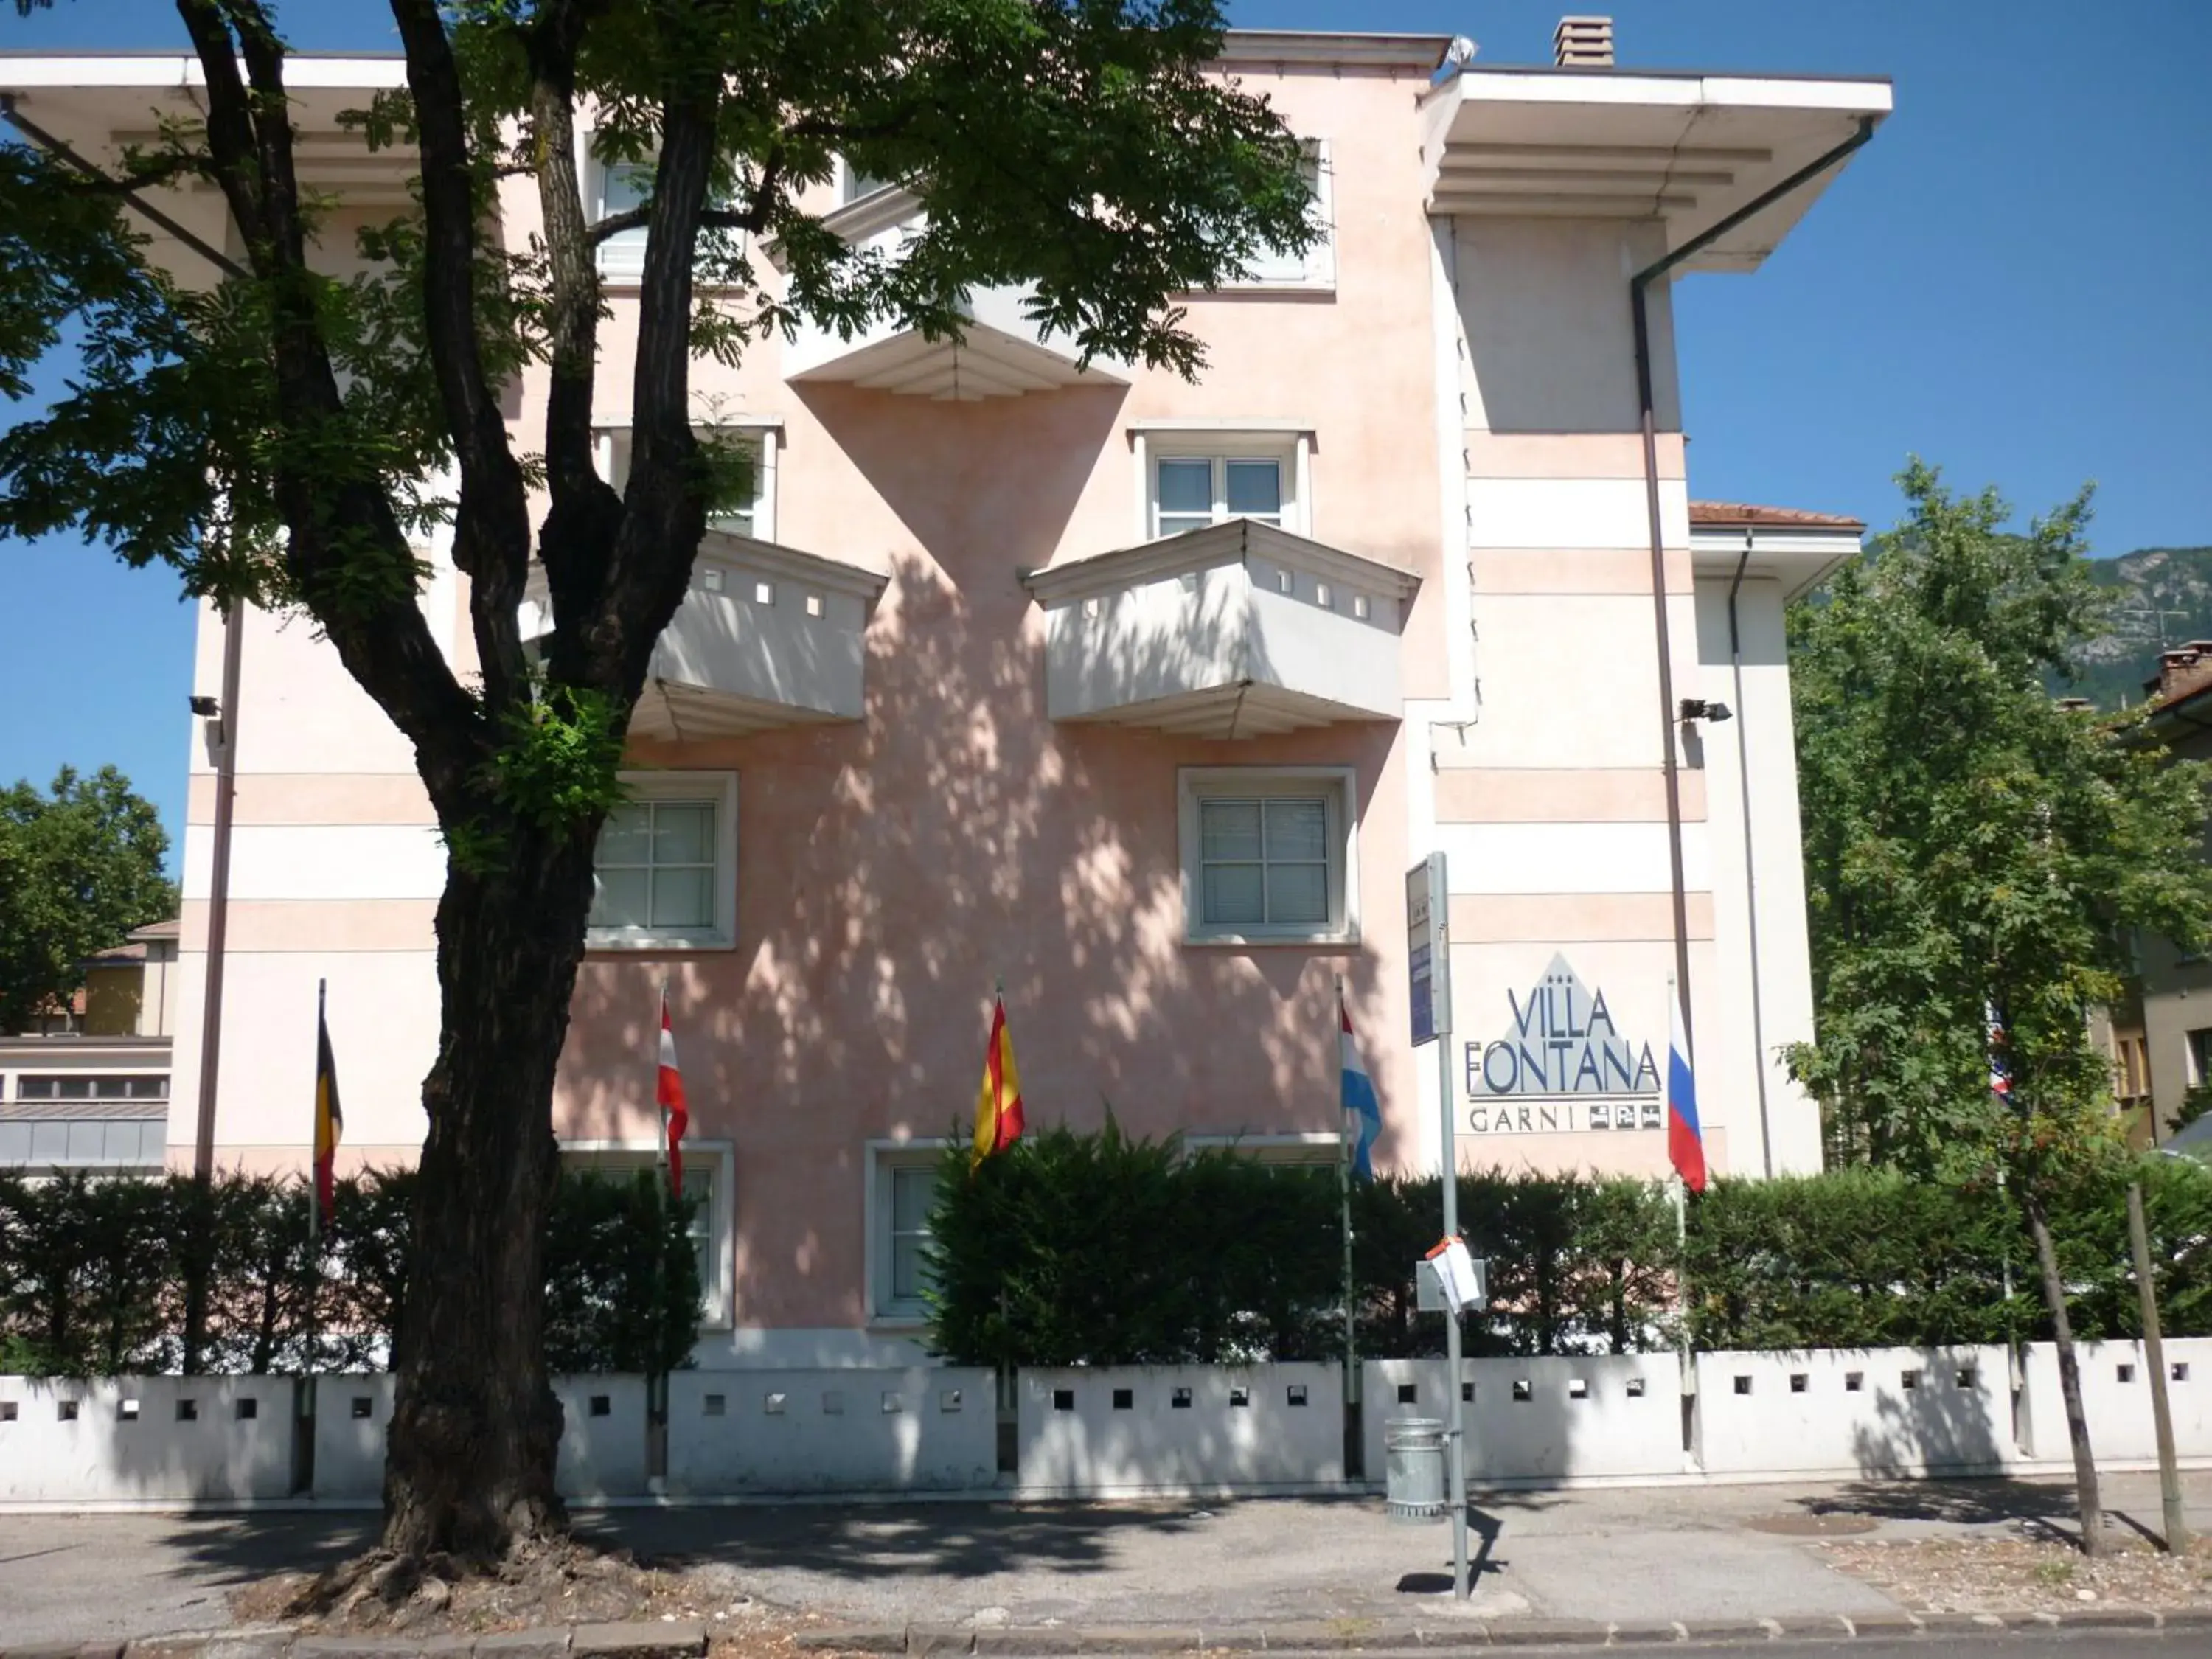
[1801,557]
[1684,151]
[1265,49]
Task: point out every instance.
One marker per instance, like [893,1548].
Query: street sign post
[1428,961]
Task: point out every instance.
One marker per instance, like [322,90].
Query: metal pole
[1456,1435]
[1344,1203]
[2161,1410]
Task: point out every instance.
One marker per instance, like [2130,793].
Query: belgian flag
[330,1121]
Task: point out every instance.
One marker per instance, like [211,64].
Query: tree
[280,438]
[1976,856]
[80,867]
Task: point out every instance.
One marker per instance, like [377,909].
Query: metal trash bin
[1413,1460]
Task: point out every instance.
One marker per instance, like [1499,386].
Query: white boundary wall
[148,1439]
[1851,1413]
[2118,1406]
[603,1453]
[1610,1417]
[790,1432]
[1109,1431]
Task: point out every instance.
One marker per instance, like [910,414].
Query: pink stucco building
[1136,694]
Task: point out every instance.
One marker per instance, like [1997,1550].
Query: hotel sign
[1565,1065]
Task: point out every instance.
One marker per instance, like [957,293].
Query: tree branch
[752,219]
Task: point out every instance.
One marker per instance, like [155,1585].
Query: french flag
[1685,1142]
[1359,1097]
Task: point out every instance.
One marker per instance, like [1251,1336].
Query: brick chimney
[2181,671]
[1583,43]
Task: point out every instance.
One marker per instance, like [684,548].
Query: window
[78,1141]
[664,870]
[1316,266]
[1267,855]
[852,184]
[903,1189]
[142,1087]
[1190,492]
[742,460]
[616,187]
[2200,1056]
[708,1173]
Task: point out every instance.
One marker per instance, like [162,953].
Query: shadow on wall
[1945,1422]
[891,870]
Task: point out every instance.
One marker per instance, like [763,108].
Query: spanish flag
[329,1121]
[998,1103]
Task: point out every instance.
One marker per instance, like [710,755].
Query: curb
[1397,1636]
[657,1639]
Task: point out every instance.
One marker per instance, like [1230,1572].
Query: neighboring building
[90,1088]
[1140,696]
[2161,1039]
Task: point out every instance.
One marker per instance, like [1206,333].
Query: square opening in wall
[362,1408]
[601,1405]
[1239,1396]
[813,604]
[1296,1393]
[1799,1381]
[1908,1381]
[2178,1370]
[833,1403]
[893,1404]
[1179,1401]
[715,1405]
[1125,1399]
[772,1405]
[2124,1373]
[1409,1394]
[1521,1389]
[1579,1388]
[126,1411]
[7,1411]
[1063,1400]
[1359,607]
[1853,1382]
[763,593]
[1636,1387]
[1466,1393]
[1323,598]
[1742,1384]
[65,1411]
[247,1410]
[1965,1376]
[188,1411]
[948,1400]
[711,579]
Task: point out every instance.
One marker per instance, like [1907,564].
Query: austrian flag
[670,1093]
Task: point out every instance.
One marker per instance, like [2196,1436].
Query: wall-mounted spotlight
[1696,709]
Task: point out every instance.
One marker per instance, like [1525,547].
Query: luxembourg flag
[1686,1143]
[668,1090]
[1358,1097]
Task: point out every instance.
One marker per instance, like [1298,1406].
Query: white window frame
[1338,785]
[1296,1149]
[848,182]
[718,1293]
[1289,446]
[882,1159]
[1317,271]
[611,438]
[685,784]
[620,259]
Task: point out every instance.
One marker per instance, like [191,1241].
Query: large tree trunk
[475,1430]
[2070,1376]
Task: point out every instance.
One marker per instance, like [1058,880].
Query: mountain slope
[2159,593]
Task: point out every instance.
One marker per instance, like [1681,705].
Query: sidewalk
[1641,1556]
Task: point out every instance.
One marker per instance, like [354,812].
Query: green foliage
[80,867]
[1972,846]
[1100,1249]
[92,1274]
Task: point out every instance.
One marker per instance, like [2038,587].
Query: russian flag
[1359,1097]
[1685,1142]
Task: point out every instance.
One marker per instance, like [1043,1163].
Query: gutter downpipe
[1638,286]
[1750,859]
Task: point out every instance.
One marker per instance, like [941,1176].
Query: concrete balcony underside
[767,637]
[1237,630]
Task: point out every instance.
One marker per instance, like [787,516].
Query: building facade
[1135,696]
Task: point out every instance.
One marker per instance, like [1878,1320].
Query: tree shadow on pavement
[229,1550]
[1983,1501]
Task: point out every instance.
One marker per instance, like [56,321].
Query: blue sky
[2012,281]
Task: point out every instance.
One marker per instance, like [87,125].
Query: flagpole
[1678,1193]
[1344,1203]
[303,1414]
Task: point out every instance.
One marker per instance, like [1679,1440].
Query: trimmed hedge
[93,1275]
[1102,1250]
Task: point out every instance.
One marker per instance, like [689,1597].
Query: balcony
[1235,630]
[767,637]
